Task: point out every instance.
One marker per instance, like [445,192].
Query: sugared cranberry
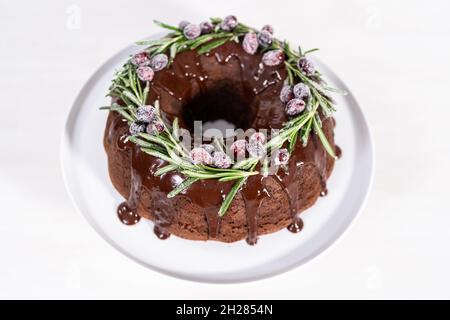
[145,73]
[265,38]
[257,137]
[306,66]
[208,147]
[229,23]
[159,126]
[281,157]
[268,28]
[301,91]
[273,58]
[221,160]
[159,62]
[140,59]
[192,31]
[136,127]
[183,24]
[145,114]
[255,146]
[250,43]
[206,27]
[286,94]
[295,106]
[200,156]
[238,147]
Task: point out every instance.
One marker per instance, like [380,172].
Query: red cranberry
[206,27]
[183,24]
[192,31]
[159,62]
[136,127]
[295,106]
[273,58]
[281,157]
[221,160]
[229,23]
[145,73]
[286,94]
[140,59]
[145,114]
[250,43]
[301,91]
[306,66]
[268,28]
[265,38]
[238,147]
[200,156]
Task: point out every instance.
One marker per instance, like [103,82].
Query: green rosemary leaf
[173,51]
[151,43]
[165,169]
[323,139]
[309,51]
[158,154]
[292,141]
[175,129]
[195,43]
[166,26]
[212,45]
[181,187]
[145,93]
[229,178]
[230,196]
[306,132]
[158,139]
[140,142]
[132,97]
[125,114]
[245,164]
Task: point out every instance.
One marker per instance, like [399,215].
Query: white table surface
[393,55]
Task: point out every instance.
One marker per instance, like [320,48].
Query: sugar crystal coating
[192,31]
[145,114]
[267,28]
[183,24]
[221,160]
[229,23]
[273,58]
[206,27]
[265,38]
[200,156]
[286,94]
[136,127]
[250,43]
[281,157]
[238,147]
[145,73]
[159,62]
[301,91]
[295,107]
[306,66]
[140,59]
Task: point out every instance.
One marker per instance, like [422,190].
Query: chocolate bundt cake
[237,187]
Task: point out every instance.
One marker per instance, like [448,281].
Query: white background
[395,56]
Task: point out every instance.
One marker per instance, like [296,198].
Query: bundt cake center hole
[225,106]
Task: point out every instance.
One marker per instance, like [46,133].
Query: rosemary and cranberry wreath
[305,95]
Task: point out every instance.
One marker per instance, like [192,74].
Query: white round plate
[84,167]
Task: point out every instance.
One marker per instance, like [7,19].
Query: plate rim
[330,243]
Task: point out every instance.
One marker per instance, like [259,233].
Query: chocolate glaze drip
[254,192]
[127,211]
[189,76]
